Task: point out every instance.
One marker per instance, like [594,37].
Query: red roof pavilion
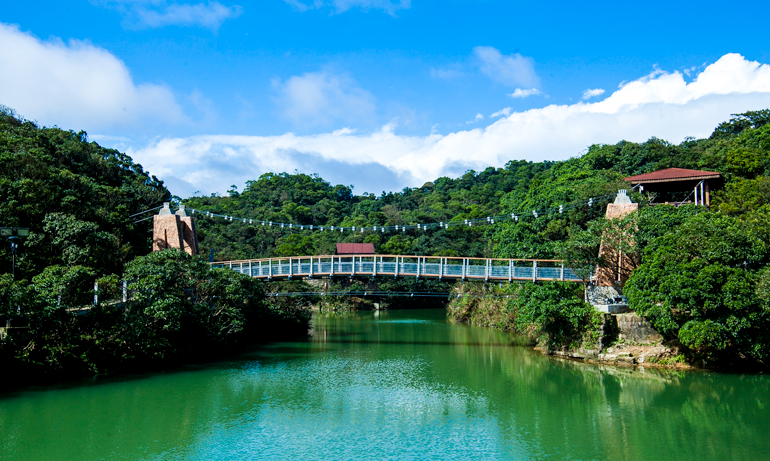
[355,248]
[674,181]
[671,175]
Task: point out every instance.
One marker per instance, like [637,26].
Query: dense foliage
[75,197]
[702,281]
[308,199]
[177,310]
[555,313]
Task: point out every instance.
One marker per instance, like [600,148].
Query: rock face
[632,328]
[606,299]
[627,339]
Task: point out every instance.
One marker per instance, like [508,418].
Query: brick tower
[174,230]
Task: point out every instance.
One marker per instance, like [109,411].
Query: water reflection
[404,384]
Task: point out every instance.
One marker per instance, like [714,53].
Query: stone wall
[166,232]
[632,328]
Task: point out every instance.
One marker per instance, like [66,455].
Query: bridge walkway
[483,269]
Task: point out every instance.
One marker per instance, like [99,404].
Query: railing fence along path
[404,266]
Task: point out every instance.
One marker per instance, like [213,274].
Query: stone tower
[174,230]
[622,267]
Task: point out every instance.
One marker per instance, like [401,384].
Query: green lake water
[393,385]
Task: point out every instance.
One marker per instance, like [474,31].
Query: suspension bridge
[177,230]
[404,266]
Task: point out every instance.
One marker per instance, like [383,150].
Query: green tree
[697,284]
[554,312]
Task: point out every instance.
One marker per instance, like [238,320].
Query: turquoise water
[393,385]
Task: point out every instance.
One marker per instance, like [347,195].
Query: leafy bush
[555,313]
[704,284]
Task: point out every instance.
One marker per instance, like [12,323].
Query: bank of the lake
[393,385]
[553,319]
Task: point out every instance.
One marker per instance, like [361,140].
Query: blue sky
[380,94]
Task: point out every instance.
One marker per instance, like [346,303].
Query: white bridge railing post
[534,270]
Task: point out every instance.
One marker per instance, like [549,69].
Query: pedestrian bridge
[400,266]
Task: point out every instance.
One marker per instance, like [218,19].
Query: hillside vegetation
[703,278]
[77,199]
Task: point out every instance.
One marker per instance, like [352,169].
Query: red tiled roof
[672,174]
[355,248]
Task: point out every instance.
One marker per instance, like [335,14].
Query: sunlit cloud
[161,13]
[660,104]
[319,98]
[340,6]
[512,70]
[588,94]
[519,93]
[76,84]
[502,112]
[475,119]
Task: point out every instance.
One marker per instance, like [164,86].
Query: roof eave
[689,178]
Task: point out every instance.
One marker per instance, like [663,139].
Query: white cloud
[161,13]
[663,105]
[445,74]
[475,119]
[319,98]
[501,112]
[210,15]
[76,85]
[340,6]
[588,94]
[519,93]
[512,70]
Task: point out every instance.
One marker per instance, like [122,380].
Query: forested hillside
[77,199]
[703,279]
[737,148]
[74,196]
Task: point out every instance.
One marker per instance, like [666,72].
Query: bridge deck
[403,266]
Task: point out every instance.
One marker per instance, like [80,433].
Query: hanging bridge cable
[143,219]
[146,211]
[384,294]
[513,217]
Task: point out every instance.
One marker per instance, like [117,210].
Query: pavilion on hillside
[675,186]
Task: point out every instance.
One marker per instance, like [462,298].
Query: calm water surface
[393,385]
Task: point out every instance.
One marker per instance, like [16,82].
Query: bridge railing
[404,266]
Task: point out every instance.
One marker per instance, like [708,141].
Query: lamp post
[14,235]
[14,241]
